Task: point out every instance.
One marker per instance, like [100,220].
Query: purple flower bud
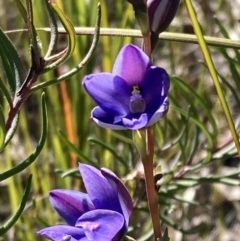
[161,14]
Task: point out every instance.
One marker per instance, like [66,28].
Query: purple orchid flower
[101,215]
[133,96]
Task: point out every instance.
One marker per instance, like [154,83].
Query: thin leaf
[128,238]
[23,165]
[110,149]
[225,34]
[200,99]
[5,91]
[82,64]
[13,59]
[213,72]
[68,26]
[53,27]
[22,10]
[176,140]
[12,129]
[174,196]
[229,181]
[71,172]
[34,40]
[122,138]
[20,209]
[202,127]
[76,151]
[172,224]
[8,71]
[2,128]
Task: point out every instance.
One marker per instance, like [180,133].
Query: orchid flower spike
[100,215]
[133,96]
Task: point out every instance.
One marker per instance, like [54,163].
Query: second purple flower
[133,96]
[102,214]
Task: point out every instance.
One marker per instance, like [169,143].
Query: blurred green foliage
[199,192]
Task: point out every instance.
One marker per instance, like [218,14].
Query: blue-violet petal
[102,194]
[101,225]
[70,204]
[131,64]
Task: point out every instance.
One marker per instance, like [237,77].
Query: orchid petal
[131,64]
[160,112]
[101,225]
[123,194]
[110,92]
[155,88]
[106,120]
[59,232]
[131,121]
[70,204]
[102,194]
[134,123]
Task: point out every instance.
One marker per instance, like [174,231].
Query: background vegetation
[199,195]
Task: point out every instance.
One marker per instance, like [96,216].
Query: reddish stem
[150,184]
[24,91]
[148,162]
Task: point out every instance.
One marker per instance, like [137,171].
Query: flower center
[137,103]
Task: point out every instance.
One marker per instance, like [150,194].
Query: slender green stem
[169,36]
[213,72]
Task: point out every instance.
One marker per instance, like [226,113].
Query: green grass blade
[200,99]
[20,209]
[2,128]
[13,59]
[21,9]
[202,127]
[76,151]
[5,92]
[110,149]
[213,72]
[8,71]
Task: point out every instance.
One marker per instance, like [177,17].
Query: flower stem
[149,181]
[148,161]
[147,44]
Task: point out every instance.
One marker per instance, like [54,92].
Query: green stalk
[213,72]
[168,36]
